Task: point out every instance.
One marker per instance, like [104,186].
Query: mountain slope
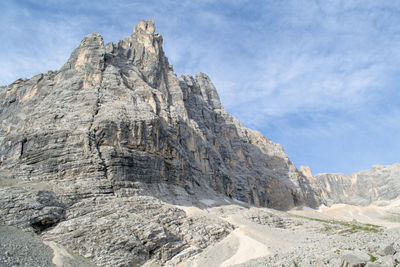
[360,188]
[115,119]
[93,155]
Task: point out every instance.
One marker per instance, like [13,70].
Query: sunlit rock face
[360,188]
[115,119]
[93,156]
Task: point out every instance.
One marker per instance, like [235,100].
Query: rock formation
[92,155]
[360,188]
[306,172]
[116,120]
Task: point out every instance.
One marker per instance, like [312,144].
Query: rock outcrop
[114,137]
[360,188]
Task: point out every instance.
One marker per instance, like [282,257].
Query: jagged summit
[145,26]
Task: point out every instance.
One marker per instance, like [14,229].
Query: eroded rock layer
[382,182]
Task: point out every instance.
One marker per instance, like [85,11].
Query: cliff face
[360,188]
[93,155]
[115,119]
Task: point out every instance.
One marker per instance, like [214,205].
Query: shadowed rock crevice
[42,225]
[31,208]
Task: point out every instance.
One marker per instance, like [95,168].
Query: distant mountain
[360,188]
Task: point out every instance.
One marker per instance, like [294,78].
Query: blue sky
[319,77]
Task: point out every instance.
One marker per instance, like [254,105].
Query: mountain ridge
[381,182]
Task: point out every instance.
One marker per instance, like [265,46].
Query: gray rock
[388,250]
[360,188]
[350,260]
[129,231]
[396,258]
[386,261]
[355,258]
[18,248]
[116,116]
[29,208]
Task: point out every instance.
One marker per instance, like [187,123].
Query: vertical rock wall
[115,119]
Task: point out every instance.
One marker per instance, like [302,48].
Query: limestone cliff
[113,137]
[115,119]
[360,188]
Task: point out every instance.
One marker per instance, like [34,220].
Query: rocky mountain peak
[116,133]
[89,54]
[380,183]
[144,33]
[92,40]
[145,27]
[132,123]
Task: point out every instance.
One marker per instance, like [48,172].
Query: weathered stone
[360,188]
[128,231]
[29,208]
[306,171]
[388,250]
[350,260]
[373,264]
[387,261]
[396,258]
[355,258]
[116,116]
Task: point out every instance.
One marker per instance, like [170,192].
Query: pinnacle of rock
[306,171]
[145,26]
[92,40]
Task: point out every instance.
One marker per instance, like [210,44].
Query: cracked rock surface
[381,183]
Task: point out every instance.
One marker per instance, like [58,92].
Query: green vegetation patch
[372,258]
[351,227]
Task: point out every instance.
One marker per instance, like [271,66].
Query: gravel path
[18,248]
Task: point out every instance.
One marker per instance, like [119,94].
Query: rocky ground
[107,230]
[266,237]
[18,248]
[142,230]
